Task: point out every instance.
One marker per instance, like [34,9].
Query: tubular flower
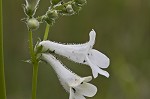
[81,53]
[77,86]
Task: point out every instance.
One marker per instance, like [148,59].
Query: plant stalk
[35,66]
[2,73]
[34,80]
[46,32]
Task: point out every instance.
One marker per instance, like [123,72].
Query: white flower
[81,53]
[72,83]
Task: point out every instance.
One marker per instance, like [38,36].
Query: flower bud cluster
[60,8]
[77,5]
[56,9]
[50,16]
[72,7]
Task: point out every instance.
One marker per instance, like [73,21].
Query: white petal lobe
[87,89]
[92,35]
[87,79]
[98,58]
[79,96]
[96,69]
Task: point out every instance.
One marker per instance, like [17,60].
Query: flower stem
[31,46]
[2,76]
[34,80]
[46,32]
[35,66]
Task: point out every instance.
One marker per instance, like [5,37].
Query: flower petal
[78,96]
[71,96]
[76,54]
[98,58]
[96,69]
[72,83]
[66,76]
[87,79]
[86,89]
[92,35]
[85,46]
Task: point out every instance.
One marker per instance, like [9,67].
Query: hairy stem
[35,66]
[46,32]
[2,74]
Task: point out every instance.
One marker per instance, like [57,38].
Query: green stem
[46,32]
[34,80]
[35,66]
[31,46]
[2,75]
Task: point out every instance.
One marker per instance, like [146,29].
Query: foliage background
[123,34]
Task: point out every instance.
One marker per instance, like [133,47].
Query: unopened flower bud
[33,24]
[48,20]
[29,11]
[52,14]
[31,7]
[69,9]
[76,8]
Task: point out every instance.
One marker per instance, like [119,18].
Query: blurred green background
[123,34]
